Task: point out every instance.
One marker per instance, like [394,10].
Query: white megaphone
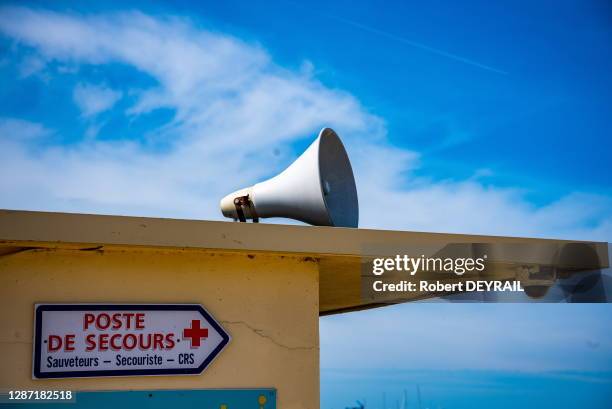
[318,188]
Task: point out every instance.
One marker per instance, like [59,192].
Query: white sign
[82,340]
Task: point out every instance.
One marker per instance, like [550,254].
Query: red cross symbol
[195,333]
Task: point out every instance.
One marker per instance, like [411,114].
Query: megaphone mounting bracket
[245,202]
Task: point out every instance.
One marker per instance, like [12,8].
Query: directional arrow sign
[83,340]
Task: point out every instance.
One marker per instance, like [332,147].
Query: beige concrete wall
[268,304]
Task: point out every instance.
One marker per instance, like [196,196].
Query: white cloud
[94,99]
[30,65]
[471,206]
[233,108]
[17,130]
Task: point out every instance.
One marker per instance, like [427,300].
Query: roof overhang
[340,252]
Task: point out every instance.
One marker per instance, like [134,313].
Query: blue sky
[479,117]
[469,356]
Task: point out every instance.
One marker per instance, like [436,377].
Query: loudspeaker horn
[318,188]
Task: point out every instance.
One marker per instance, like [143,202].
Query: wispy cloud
[94,99]
[233,109]
[388,175]
[406,41]
[418,45]
[19,131]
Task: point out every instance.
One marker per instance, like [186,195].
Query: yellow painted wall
[268,304]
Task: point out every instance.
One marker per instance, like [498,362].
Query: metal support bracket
[241,203]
